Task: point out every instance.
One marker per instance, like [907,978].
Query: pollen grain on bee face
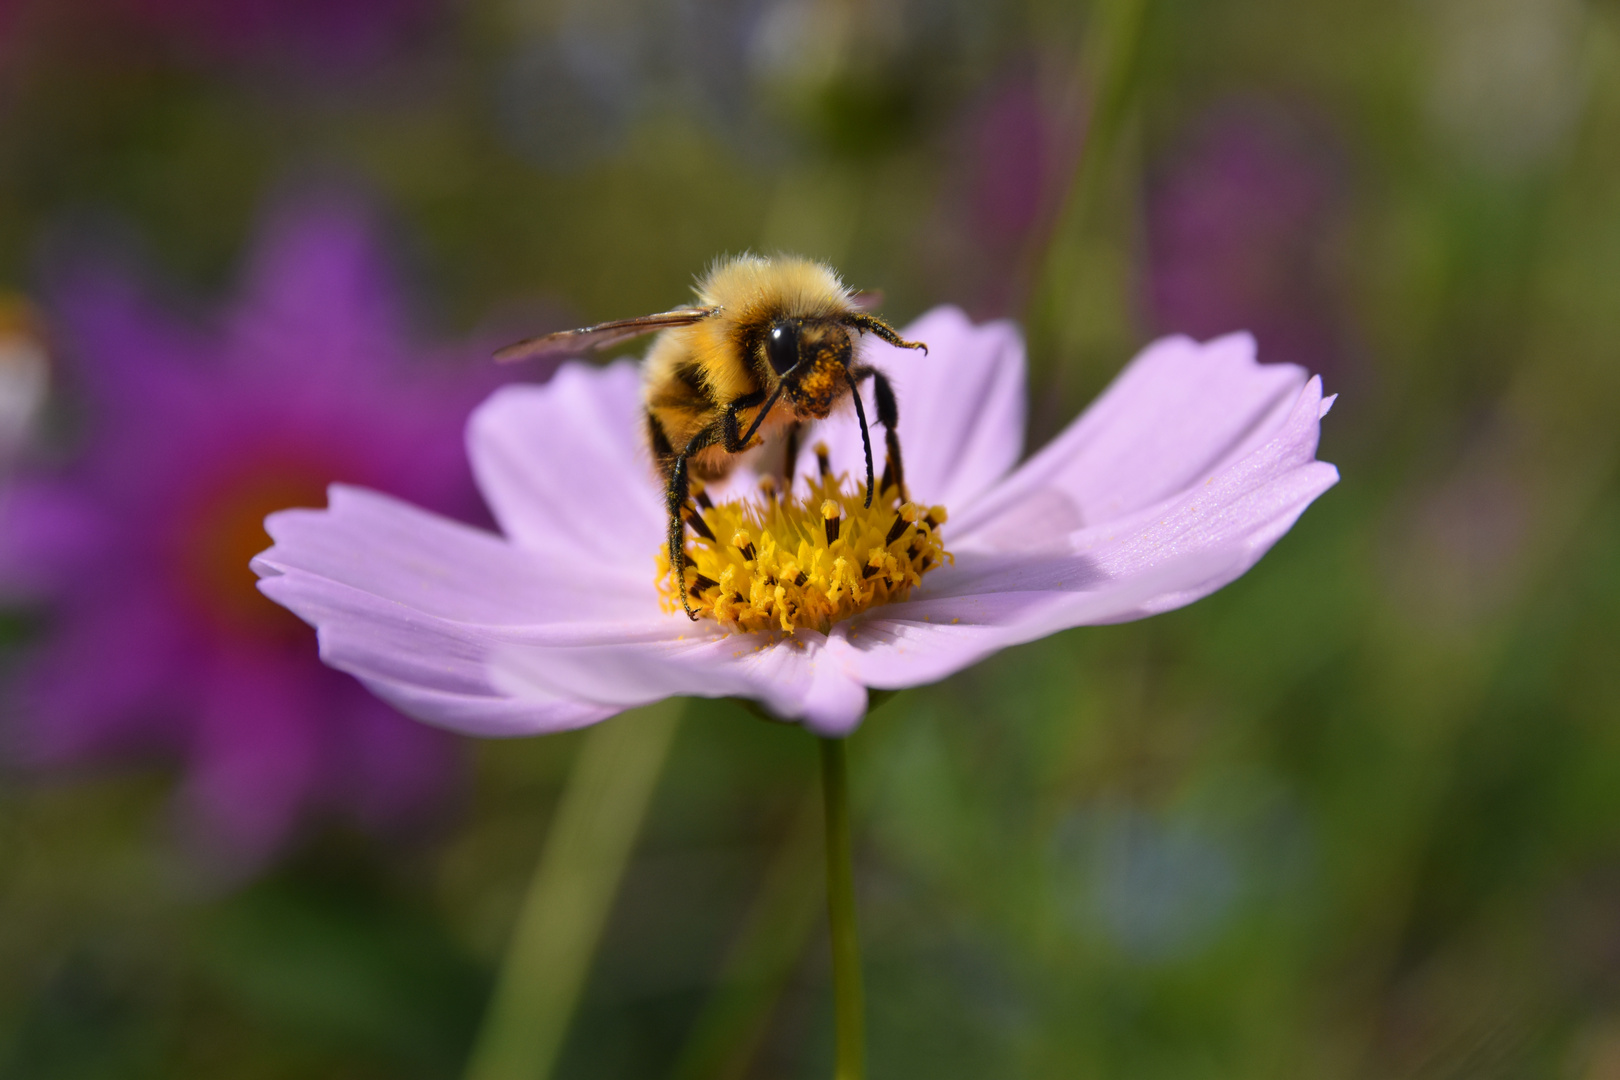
[789,562]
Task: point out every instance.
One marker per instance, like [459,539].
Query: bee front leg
[871,324]
[888,414]
[731,438]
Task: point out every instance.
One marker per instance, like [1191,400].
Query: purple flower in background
[137,545]
[1013,150]
[343,32]
[1187,469]
[1012,141]
[1240,228]
[12,17]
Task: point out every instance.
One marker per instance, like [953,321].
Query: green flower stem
[848,1006]
[770,944]
[592,834]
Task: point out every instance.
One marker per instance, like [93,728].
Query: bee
[770,345]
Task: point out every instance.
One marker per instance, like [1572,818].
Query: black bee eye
[782,347]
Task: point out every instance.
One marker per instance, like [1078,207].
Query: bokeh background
[1357,815]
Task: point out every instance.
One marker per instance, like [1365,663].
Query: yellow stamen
[810,562]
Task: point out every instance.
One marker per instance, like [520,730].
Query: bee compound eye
[782,347]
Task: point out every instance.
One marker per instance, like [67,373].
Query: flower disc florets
[782,563]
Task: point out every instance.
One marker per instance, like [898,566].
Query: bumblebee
[770,345]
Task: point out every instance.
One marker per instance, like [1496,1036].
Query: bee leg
[678,486]
[888,414]
[889,417]
[675,491]
[860,415]
[871,324]
[790,456]
[731,436]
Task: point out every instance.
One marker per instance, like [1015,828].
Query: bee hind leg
[724,432]
[676,488]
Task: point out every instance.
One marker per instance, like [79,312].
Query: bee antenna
[759,417]
[866,436]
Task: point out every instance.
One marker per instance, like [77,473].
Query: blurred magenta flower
[136,546]
[1013,141]
[326,32]
[1241,226]
[1174,483]
[1012,158]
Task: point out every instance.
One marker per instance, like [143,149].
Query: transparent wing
[600,336]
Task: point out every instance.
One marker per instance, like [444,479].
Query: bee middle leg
[888,414]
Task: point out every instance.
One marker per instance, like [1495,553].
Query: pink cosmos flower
[1187,469]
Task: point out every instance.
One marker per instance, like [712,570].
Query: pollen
[790,562]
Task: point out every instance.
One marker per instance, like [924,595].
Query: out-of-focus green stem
[590,840]
[848,1005]
[1108,64]
[762,958]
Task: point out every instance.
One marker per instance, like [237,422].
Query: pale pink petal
[432,668]
[484,712]
[961,409]
[795,680]
[1174,416]
[379,544]
[1160,558]
[458,628]
[414,605]
[922,641]
[562,465]
[1235,514]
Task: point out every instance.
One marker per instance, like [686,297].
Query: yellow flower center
[784,563]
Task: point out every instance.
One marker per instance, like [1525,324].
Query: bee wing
[867,299]
[600,336]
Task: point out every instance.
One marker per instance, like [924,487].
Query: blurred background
[1357,815]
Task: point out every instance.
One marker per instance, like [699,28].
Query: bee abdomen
[658,441]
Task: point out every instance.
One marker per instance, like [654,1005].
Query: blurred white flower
[1506,77]
[24,375]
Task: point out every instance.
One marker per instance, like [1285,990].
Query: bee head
[811,357]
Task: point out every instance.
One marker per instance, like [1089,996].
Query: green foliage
[1357,815]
